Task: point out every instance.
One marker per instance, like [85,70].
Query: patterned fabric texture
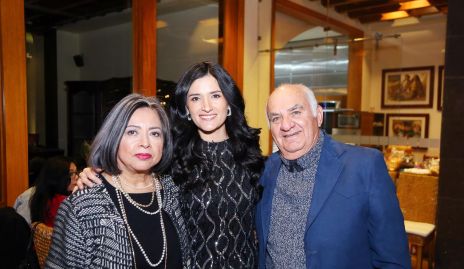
[290,208]
[89,232]
[42,236]
[220,212]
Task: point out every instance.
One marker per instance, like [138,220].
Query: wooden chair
[417,195]
[42,240]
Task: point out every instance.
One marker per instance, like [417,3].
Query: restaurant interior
[387,74]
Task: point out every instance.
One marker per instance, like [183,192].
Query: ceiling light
[29,38]
[414,4]
[212,40]
[209,22]
[394,15]
[161,24]
[405,21]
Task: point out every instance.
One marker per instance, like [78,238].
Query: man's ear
[319,116]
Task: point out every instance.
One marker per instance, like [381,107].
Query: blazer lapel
[270,179]
[328,171]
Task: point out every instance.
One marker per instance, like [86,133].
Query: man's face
[294,128]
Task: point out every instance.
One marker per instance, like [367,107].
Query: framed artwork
[407,125]
[441,86]
[407,87]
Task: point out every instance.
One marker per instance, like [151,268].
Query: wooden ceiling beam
[52,11]
[292,9]
[412,13]
[370,18]
[76,4]
[361,5]
[373,11]
[423,11]
[441,5]
[336,2]
[369,11]
[438,2]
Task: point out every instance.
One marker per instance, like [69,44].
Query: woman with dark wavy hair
[55,182]
[217,163]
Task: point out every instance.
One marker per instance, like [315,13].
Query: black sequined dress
[220,212]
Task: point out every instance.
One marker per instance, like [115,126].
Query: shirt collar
[303,162]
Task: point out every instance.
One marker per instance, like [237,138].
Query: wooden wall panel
[354,91]
[2,138]
[305,14]
[13,88]
[144,46]
[233,47]
[271,66]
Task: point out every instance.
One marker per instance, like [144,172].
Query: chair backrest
[42,241]
[417,195]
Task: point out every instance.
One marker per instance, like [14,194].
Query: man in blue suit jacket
[325,204]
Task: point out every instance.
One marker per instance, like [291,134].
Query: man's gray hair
[309,95]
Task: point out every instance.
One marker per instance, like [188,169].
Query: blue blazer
[354,221]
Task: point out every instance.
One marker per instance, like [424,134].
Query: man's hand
[87,178]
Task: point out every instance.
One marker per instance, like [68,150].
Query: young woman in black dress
[217,163]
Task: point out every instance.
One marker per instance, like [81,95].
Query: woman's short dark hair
[104,149]
[244,139]
[53,179]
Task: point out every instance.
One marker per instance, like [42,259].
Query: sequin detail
[220,213]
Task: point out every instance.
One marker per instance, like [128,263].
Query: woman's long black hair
[53,179]
[243,138]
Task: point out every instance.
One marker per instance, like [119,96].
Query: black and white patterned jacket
[89,232]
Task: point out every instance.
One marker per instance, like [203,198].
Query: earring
[229,111]
[188,117]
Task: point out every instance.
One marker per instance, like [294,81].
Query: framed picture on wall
[441,86]
[407,87]
[407,125]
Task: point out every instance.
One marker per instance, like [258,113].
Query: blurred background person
[21,204]
[14,238]
[55,182]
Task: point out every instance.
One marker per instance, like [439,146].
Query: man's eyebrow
[295,107]
[272,114]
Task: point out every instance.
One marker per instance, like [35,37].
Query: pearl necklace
[138,188]
[137,205]
[131,233]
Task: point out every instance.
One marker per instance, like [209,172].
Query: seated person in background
[14,238]
[55,182]
[21,204]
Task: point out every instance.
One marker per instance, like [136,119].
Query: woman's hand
[87,178]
